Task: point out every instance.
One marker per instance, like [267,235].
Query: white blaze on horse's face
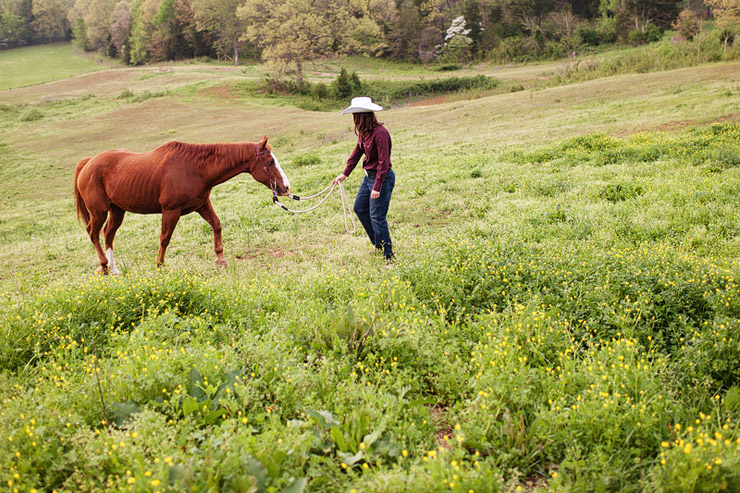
[286,182]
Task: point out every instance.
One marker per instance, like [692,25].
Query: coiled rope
[330,188]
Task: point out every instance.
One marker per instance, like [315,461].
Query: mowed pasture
[562,314]
[31,65]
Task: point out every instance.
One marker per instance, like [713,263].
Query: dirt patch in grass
[263,252]
[682,124]
[445,430]
[112,82]
[431,101]
[220,92]
[733,117]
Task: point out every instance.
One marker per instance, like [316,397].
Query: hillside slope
[562,314]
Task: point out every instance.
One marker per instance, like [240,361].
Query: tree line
[287,33]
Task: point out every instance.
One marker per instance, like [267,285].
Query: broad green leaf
[350,459]
[368,440]
[324,418]
[256,468]
[298,486]
[732,398]
[189,406]
[338,437]
[195,384]
[120,412]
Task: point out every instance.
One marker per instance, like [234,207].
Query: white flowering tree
[457,43]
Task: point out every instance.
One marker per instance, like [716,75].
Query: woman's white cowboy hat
[362,105]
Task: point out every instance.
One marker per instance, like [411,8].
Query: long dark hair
[365,123]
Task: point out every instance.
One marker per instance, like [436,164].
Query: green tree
[166,26]
[13,28]
[639,14]
[346,85]
[159,31]
[726,18]
[219,17]
[79,34]
[293,32]
[530,13]
[404,34]
[474,22]
[687,24]
[91,23]
[191,41]
[143,33]
[120,29]
[50,19]
[98,23]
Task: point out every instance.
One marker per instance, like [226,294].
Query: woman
[374,196]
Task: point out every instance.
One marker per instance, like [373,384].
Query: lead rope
[342,193]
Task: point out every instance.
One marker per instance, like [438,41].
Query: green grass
[562,314]
[38,64]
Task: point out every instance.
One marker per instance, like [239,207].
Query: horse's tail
[82,213]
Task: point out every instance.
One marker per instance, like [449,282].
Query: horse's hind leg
[211,218]
[169,221]
[115,218]
[97,219]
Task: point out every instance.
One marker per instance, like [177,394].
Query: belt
[371,173]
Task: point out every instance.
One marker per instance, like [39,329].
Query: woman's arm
[383,146]
[354,158]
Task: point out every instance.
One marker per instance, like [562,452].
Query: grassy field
[38,64]
[562,314]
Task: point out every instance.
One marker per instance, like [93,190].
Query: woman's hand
[374,195]
[339,179]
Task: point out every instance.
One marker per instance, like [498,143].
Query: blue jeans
[372,212]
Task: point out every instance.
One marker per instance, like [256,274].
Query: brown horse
[173,180]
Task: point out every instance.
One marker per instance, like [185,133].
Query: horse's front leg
[211,218]
[169,221]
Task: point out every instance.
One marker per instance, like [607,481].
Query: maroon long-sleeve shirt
[377,149]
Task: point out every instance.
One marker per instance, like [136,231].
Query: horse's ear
[263,142]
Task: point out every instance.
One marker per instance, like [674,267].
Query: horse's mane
[224,156]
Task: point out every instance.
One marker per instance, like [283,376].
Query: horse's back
[127,179]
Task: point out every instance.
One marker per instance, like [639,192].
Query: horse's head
[267,169]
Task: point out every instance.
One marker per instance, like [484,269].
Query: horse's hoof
[102,270]
[221,263]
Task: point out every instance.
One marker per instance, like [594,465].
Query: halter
[273,184]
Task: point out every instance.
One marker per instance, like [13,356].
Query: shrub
[32,116]
[607,29]
[346,85]
[638,37]
[448,67]
[616,192]
[320,91]
[402,90]
[589,35]
[725,155]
